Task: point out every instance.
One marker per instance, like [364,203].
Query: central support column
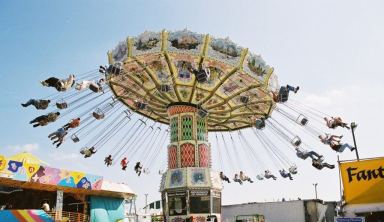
[189,146]
[191,191]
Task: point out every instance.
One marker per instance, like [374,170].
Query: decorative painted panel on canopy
[25,171]
[161,68]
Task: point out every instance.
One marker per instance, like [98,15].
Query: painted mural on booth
[23,171]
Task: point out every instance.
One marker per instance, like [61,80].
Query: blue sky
[332,49]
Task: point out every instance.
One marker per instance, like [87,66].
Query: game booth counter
[27,182]
[363,183]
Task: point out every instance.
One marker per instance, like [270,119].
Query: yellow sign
[363,181]
[3,162]
[77,176]
[31,169]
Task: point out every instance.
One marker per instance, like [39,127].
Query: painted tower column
[191,191]
[188,146]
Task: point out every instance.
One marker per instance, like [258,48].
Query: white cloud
[353,100]
[325,100]
[362,103]
[68,160]
[29,147]
[59,155]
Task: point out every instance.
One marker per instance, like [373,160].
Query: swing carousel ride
[183,85]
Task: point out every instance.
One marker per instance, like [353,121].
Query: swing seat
[98,114]
[82,150]
[260,124]
[302,120]
[202,113]
[165,88]
[61,104]
[75,138]
[296,141]
[260,177]
[102,69]
[202,75]
[140,105]
[94,88]
[244,99]
[283,94]
[268,176]
[114,70]
[293,169]
[237,180]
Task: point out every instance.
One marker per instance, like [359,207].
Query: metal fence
[70,217]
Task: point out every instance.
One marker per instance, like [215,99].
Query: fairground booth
[26,183]
[363,183]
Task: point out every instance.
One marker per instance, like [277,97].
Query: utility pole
[146,203]
[353,127]
[315,184]
[317,216]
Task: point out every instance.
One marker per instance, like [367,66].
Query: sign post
[59,205]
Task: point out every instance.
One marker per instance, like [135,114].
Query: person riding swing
[285,174]
[108,160]
[37,103]
[61,85]
[318,164]
[334,122]
[124,163]
[224,178]
[88,152]
[244,177]
[269,175]
[283,94]
[138,167]
[237,179]
[43,120]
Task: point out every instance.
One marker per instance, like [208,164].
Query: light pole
[146,203]
[353,127]
[315,184]
[317,216]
